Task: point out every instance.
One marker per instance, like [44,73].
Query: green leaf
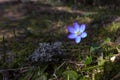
[43,77]
[88,60]
[68,78]
[70,75]
[101,61]
[94,47]
[118,49]
[106,41]
[85,78]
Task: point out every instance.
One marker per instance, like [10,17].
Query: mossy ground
[22,36]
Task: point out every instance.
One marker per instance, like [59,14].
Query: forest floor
[24,25]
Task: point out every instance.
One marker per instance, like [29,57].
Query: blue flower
[77,32]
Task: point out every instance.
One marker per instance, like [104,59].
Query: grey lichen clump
[47,52]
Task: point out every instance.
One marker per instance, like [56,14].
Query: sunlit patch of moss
[109,51]
[83,19]
[113,27]
[110,30]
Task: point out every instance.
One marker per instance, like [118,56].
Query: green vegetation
[47,22]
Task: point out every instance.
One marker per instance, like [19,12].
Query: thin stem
[4,49]
[54,74]
[18,69]
[14,32]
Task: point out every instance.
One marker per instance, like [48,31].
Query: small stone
[115,58]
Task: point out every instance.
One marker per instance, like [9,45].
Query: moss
[99,76]
[21,52]
[110,70]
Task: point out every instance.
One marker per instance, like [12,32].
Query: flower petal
[78,39]
[72,36]
[82,27]
[83,35]
[76,26]
[71,29]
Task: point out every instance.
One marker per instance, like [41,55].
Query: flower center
[78,33]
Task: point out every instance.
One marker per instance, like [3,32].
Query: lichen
[47,52]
